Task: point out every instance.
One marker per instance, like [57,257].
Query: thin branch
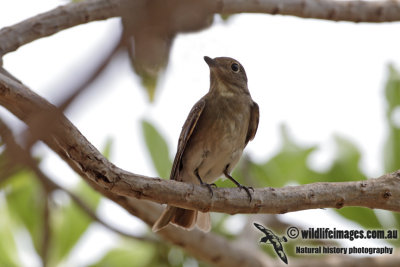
[53,21]
[90,78]
[95,218]
[63,137]
[208,247]
[80,88]
[345,10]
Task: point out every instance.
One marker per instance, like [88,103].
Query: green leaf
[130,254]
[149,82]
[345,167]
[107,148]
[392,89]
[8,249]
[226,17]
[157,148]
[289,164]
[88,194]
[148,75]
[346,164]
[392,144]
[69,223]
[363,216]
[26,204]
[391,157]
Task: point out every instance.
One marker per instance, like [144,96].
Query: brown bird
[212,140]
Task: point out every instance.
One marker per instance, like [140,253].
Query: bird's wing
[186,132]
[253,123]
[281,254]
[261,228]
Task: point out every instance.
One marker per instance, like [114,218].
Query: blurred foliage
[392,146]
[149,82]
[128,253]
[22,205]
[108,148]
[157,148]
[8,248]
[391,156]
[23,201]
[66,226]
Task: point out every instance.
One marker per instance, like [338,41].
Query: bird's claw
[209,186]
[247,189]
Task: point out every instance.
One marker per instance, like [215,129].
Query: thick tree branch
[208,247]
[62,136]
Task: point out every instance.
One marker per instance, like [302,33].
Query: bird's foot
[247,189]
[209,186]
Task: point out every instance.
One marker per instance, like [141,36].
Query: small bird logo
[274,240]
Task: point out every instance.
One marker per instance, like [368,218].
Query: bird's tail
[184,218]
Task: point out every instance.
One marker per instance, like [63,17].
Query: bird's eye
[235,67]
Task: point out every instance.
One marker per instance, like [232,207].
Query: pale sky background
[320,78]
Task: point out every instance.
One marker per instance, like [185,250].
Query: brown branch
[90,78]
[53,21]
[80,88]
[62,136]
[345,10]
[207,247]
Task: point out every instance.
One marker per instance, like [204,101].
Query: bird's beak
[210,62]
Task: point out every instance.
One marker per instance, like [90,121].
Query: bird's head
[227,76]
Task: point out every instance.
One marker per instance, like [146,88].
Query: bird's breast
[218,139]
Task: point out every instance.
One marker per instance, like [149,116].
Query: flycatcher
[212,140]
